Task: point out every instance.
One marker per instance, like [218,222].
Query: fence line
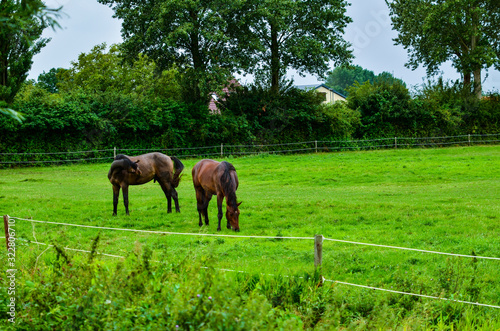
[414,249]
[324,280]
[255,237]
[413,294]
[162,232]
[228,149]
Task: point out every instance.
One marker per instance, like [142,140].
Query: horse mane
[228,185]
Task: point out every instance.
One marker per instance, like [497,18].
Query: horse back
[203,175]
[153,165]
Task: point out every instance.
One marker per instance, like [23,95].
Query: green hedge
[82,121]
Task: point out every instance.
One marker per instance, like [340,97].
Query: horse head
[233,217]
[134,168]
[125,163]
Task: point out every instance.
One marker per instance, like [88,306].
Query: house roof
[212,105]
[313,87]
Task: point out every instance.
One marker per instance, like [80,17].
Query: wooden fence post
[469,139]
[6,227]
[221,150]
[114,153]
[318,250]
[396,142]
[316,146]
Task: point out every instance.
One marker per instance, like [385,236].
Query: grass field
[445,200]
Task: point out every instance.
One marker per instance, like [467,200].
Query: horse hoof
[218,229]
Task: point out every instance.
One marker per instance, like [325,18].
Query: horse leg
[220,198]
[125,198]
[200,202]
[206,201]
[167,189]
[116,194]
[176,200]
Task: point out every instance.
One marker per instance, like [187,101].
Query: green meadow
[445,200]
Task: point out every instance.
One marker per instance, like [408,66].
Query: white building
[330,94]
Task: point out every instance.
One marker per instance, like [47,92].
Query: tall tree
[102,72]
[21,25]
[191,34]
[462,31]
[343,77]
[304,35]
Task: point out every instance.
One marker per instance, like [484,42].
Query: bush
[291,116]
[343,121]
[384,109]
[84,120]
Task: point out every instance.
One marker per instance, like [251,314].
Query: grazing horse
[138,170]
[217,178]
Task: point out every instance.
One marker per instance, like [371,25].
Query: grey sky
[87,23]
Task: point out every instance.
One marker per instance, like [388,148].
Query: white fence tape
[256,237]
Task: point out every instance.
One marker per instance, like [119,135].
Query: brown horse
[138,170]
[217,178]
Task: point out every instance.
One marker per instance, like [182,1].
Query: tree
[384,108]
[49,80]
[462,31]
[341,78]
[102,72]
[191,34]
[290,34]
[21,25]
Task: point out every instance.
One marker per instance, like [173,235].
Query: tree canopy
[102,72]
[21,25]
[192,34]
[342,78]
[462,31]
[301,35]
[212,39]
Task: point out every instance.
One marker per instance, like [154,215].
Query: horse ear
[137,161]
[239,203]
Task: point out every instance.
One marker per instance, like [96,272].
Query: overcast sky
[87,23]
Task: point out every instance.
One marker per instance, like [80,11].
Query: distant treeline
[85,120]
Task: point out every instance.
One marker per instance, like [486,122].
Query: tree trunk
[478,91]
[467,79]
[476,66]
[196,56]
[275,61]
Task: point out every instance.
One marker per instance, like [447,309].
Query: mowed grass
[445,200]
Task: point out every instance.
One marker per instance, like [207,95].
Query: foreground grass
[441,199]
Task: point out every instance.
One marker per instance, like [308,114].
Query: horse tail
[178,167]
